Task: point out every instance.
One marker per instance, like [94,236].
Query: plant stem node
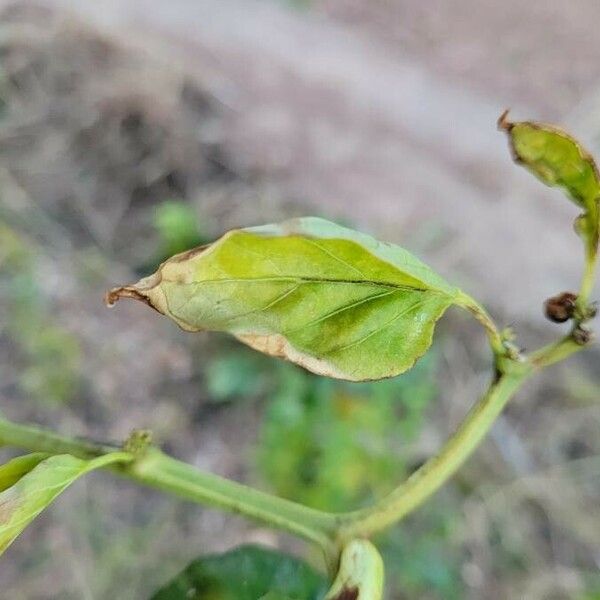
[582,335]
[138,442]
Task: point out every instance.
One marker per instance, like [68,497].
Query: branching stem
[157,470]
[330,531]
[436,471]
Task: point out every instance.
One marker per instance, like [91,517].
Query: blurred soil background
[133,130]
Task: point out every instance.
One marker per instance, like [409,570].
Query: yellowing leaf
[335,301]
[30,483]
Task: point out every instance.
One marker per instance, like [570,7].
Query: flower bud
[560,308]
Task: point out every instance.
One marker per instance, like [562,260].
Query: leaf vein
[301,279]
[340,310]
[271,304]
[401,314]
[332,255]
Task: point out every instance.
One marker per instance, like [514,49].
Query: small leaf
[245,573]
[557,159]
[30,483]
[332,300]
[360,573]
[14,469]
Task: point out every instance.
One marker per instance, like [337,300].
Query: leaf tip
[503,123]
[115,294]
[128,291]
[139,291]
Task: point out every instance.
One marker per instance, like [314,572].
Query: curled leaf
[360,574]
[30,483]
[332,300]
[558,159]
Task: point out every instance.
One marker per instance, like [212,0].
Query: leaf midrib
[324,280]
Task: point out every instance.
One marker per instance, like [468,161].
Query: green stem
[162,472]
[481,314]
[554,353]
[157,470]
[37,439]
[109,459]
[589,276]
[330,531]
[437,470]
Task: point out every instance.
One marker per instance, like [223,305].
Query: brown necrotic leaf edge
[133,291]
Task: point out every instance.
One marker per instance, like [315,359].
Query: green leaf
[30,483]
[14,469]
[332,300]
[557,159]
[245,573]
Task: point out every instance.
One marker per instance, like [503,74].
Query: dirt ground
[538,54]
[378,113]
[368,113]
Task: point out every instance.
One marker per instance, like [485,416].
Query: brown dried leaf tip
[112,296]
[561,308]
[503,123]
[140,291]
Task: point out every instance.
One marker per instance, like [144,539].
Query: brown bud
[582,335]
[561,308]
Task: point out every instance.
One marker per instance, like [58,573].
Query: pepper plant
[340,304]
